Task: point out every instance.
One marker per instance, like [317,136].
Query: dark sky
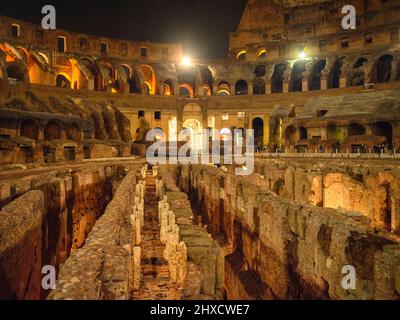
[203,26]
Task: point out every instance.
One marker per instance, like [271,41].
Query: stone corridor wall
[44,218]
[284,249]
[102,268]
[202,251]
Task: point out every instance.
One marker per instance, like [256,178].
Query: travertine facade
[76,192]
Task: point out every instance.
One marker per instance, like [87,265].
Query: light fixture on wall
[303,53]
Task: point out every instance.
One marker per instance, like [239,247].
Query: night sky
[202,26]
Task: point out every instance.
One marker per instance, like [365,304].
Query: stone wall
[283,249]
[192,239]
[104,267]
[54,212]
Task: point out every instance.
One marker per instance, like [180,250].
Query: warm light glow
[243,52]
[186,61]
[262,52]
[303,53]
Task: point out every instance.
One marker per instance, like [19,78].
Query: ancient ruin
[78,195]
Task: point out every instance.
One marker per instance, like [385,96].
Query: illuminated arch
[188,88]
[241,55]
[149,78]
[224,89]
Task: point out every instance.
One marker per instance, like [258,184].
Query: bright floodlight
[186,61]
[302,55]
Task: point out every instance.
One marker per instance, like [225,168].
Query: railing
[383,156]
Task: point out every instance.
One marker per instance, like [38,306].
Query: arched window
[384,68]
[241,56]
[315,76]
[303,133]
[357,77]
[258,127]
[241,88]
[63,82]
[224,89]
[296,80]
[73,132]
[335,73]
[52,131]
[277,78]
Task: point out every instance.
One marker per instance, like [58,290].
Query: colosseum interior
[78,194]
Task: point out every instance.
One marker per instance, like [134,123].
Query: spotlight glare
[186,61]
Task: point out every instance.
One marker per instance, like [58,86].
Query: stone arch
[73,132]
[296,78]
[383,68]
[149,78]
[52,131]
[357,75]
[384,129]
[241,88]
[133,79]
[278,77]
[168,87]
[63,81]
[303,133]
[16,71]
[186,90]
[29,129]
[315,75]
[258,127]
[224,89]
[260,71]
[335,73]
[355,129]
[207,79]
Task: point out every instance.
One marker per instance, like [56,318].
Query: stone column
[136,267]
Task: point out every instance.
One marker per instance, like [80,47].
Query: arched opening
[384,129]
[16,72]
[303,133]
[357,77]
[296,79]
[73,132]
[355,129]
[168,87]
[241,56]
[207,80]
[52,131]
[315,75]
[260,71]
[290,135]
[258,127]
[279,187]
[334,75]
[384,68]
[277,78]
[149,78]
[241,88]
[226,134]
[63,82]
[132,79]
[224,89]
[259,86]
[29,129]
[186,90]
[194,129]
